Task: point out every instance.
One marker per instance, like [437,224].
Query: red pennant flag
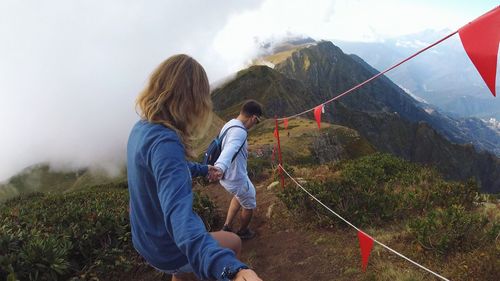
[317,114]
[366,245]
[480,39]
[276,133]
[286,123]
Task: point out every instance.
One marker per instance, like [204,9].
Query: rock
[270,211]
[273,184]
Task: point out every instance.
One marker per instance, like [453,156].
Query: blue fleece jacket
[165,230]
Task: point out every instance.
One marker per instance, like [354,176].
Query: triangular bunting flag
[317,114]
[286,123]
[366,245]
[480,39]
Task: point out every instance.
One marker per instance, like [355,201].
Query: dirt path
[283,250]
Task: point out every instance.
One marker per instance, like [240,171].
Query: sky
[70,70]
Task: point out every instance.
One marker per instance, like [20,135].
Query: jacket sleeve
[234,139]
[185,227]
[197,169]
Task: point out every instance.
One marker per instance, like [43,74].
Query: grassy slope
[41,178]
[298,145]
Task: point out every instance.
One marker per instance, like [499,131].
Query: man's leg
[245,218]
[248,204]
[234,207]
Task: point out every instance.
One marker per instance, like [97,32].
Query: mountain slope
[327,71]
[262,83]
[442,76]
[381,112]
[41,178]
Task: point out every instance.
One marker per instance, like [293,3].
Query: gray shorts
[245,193]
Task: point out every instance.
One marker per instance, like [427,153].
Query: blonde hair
[178,96]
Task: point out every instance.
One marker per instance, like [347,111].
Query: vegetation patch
[80,235]
[452,229]
[378,188]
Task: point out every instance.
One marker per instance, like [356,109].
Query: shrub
[256,166]
[378,188]
[448,230]
[207,210]
[359,206]
[83,233]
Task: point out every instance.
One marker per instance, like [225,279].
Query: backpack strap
[221,138]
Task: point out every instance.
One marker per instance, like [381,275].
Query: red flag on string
[366,245]
[286,123]
[480,39]
[317,114]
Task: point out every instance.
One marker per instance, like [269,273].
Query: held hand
[247,275]
[214,173]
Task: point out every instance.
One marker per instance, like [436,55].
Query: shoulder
[159,137]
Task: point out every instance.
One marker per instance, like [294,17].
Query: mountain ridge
[324,71]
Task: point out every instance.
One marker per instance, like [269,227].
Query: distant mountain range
[306,74]
[442,76]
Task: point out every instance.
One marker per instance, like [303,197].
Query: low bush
[452,229]
[256,167]
[83,233]
[378,188]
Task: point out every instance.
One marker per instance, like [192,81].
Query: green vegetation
[41,178]
[81,235]
[451,229]
[378,188]
[430,218]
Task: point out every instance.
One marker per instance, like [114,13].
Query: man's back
[236,171]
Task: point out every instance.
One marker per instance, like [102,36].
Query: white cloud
[70,70]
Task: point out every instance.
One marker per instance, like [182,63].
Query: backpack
[215,148]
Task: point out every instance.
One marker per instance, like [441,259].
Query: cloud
[70,70]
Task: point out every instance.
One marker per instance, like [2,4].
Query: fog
[70,70]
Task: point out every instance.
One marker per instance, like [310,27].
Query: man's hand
[214,173]
[247,275]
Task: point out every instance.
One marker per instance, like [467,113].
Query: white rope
[340,217]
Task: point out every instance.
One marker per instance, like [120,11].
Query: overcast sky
[70,70]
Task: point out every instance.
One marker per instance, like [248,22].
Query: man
[235,177]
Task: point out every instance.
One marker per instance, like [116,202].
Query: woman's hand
[247,275]
[214,173]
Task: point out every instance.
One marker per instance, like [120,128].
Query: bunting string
[359,230]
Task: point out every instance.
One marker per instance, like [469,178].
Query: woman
[175,107]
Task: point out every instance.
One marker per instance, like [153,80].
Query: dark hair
[250,108]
